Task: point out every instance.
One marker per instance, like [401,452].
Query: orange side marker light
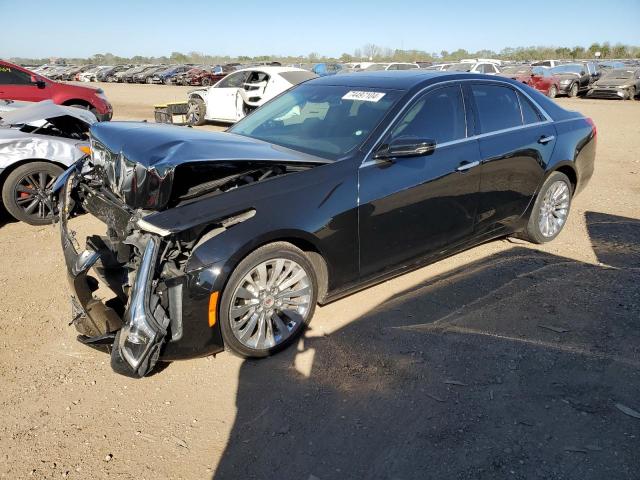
[213,308]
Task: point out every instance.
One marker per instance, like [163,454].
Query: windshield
[518,70]
[295,77]
[322,120]
[568,69]
[619,74]
[376,67]
[459,67]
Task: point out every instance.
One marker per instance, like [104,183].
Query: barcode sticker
[363,96]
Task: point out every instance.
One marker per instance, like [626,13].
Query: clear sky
[73,28]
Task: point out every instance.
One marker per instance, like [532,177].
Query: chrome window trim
[369,160]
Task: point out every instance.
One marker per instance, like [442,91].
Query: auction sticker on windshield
[363,96]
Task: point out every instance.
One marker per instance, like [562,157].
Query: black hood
[138,160]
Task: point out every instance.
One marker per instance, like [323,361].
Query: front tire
[196,111]
[553,91]
[25,192]
[206,82]
[632,93]
[573,91]
[268,301]
[550,210]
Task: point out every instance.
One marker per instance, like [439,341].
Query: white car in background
[241,92]
[488,68]
[376,67]
[37,142]
[90,75]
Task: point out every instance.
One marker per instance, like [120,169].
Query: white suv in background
[478,67]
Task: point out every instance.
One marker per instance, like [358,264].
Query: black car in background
[146,76]
[108,75]
[620,83]
[576,78]
[229,240]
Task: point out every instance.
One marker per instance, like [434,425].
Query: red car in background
[18,83]
[207,76]
[539,78]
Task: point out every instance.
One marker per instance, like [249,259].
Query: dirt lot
[506,361]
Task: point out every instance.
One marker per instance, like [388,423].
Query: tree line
[368,51]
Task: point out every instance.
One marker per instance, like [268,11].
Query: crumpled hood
[613,82]
[46,110]
[138,160]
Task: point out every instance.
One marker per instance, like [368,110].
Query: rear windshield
[296,77]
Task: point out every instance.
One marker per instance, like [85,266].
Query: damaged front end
[133,324]
[157,306]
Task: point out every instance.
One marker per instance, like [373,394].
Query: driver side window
[11,76]
[438,116]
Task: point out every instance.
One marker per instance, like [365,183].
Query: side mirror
[38,82]
[404,147]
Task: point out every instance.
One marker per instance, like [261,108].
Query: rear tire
[196,112]
[550,210]
[26,190]
[268,301]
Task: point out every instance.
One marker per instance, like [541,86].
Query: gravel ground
[506,361]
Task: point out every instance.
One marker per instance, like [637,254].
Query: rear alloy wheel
[550,210]
[269,300]
[196,111]
[26,190]
[553,91]
[573,91]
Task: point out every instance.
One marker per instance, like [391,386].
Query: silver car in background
[37,142]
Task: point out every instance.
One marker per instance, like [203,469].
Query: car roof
[271,70]
[395,79]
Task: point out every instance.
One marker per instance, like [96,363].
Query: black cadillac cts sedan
[229,240]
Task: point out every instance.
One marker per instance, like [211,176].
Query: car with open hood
[38,141]
[217,240]
[241,92]
[621,83]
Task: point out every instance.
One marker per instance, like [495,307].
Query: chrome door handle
[546,139]
[466,166]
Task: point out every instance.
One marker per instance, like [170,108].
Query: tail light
[594,129]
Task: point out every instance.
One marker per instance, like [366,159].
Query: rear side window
[235,80]
[497,107]
[530,114]
[11,76]
[438,116]
[295,77]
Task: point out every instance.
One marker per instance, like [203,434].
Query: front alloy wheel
[268,301]
[573,91]
[196,111]
[26,191]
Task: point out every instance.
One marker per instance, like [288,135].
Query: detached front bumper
[135,338]
[165,318]
[612,93]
